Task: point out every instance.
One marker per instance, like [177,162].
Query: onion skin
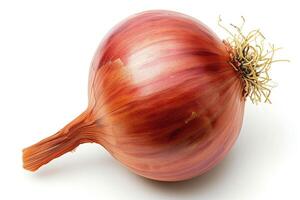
[163,100]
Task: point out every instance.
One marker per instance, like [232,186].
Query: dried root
[252,58]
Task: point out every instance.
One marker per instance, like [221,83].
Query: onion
[166,96]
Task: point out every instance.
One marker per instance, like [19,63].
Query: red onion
[166,97]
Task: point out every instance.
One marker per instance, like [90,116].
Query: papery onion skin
[163,99]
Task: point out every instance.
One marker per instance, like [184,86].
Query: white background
[45,52]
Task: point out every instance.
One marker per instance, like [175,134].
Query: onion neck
[78,131]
